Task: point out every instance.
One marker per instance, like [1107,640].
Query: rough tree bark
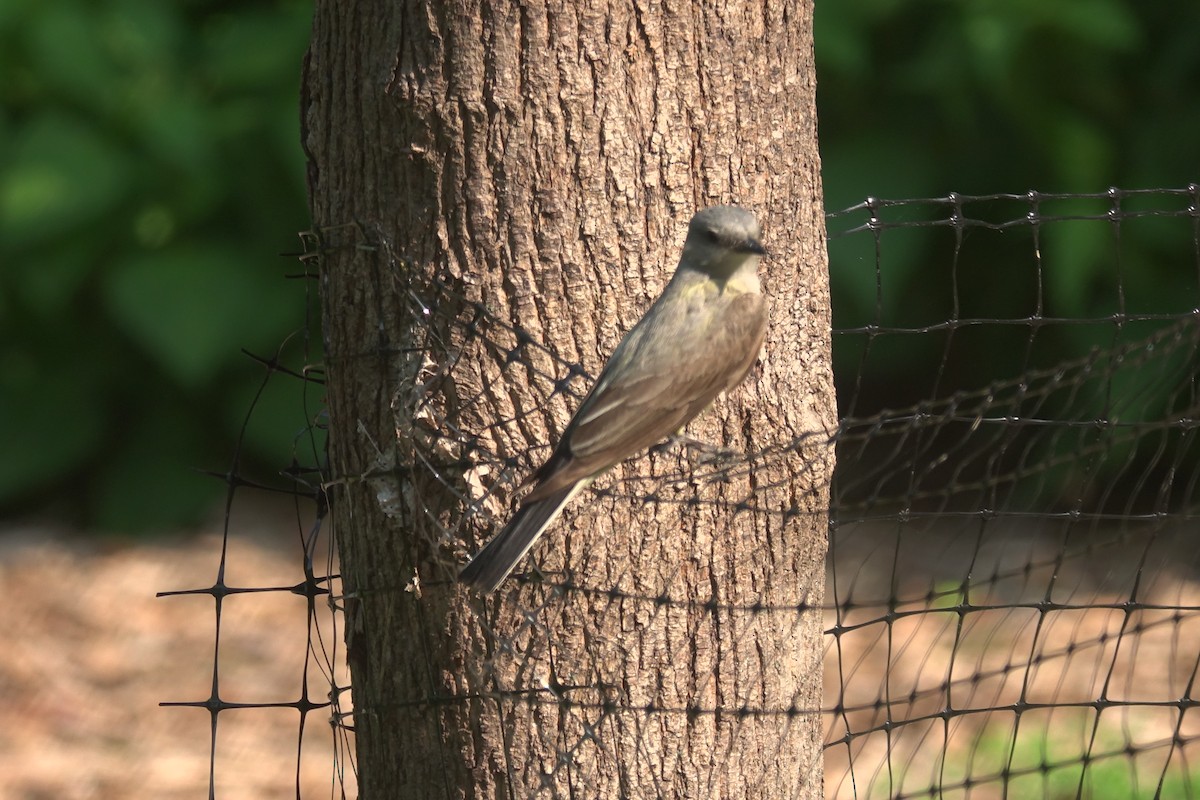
[545,158]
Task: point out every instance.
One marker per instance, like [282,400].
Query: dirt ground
[96,652]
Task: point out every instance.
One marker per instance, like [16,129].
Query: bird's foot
[706,453]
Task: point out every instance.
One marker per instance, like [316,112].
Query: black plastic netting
[1012,596]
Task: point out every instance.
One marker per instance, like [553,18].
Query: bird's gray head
[722,240]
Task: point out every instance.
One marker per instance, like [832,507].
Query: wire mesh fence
[1012,599]
[1012,564]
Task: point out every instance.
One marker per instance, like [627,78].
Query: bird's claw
[706,453]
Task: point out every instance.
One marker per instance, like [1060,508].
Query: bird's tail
[491,565]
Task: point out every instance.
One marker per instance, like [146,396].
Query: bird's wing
[631,409]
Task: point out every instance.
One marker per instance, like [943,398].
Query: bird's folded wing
[630,410]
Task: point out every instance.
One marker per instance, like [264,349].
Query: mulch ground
[94,652]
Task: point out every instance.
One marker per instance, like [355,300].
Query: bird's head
[721,241]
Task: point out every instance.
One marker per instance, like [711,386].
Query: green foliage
[150,170]
[1046,760]
[1044,756]
[926,97]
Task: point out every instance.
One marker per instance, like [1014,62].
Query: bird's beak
[753,246]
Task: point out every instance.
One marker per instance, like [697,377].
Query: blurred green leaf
[68,57]
[1108,24]
[52,278]
[247,51]
[153,480]
[61,172]
[56,419]
[178,305]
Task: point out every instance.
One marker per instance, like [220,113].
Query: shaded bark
[542,162]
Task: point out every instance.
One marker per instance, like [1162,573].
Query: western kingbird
[699,338]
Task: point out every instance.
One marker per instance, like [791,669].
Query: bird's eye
[712,236]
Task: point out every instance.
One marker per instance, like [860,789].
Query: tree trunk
[502,191]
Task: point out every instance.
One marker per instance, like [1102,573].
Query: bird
[700,337]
